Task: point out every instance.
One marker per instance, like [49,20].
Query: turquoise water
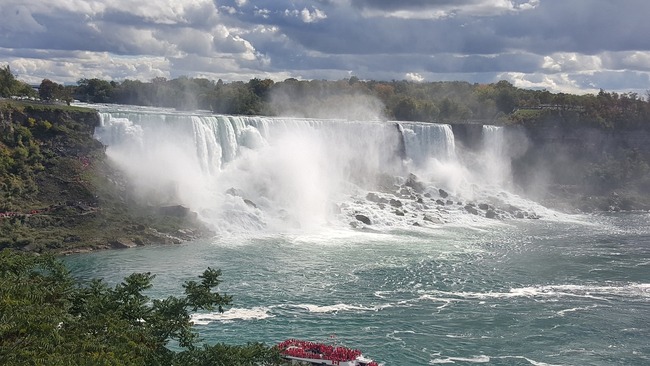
[518,292]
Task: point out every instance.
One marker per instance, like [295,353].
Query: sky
[573,46]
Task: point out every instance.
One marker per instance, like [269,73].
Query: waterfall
[242,173]
[496,163]
[218,140]
[428,140]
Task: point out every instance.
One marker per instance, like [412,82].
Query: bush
[48,319]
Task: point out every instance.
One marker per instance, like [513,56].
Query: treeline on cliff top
[498,103]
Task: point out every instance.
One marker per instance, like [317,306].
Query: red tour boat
[322,354]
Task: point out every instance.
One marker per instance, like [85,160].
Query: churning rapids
[388,234]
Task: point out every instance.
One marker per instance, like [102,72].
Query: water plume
[303,102]
[243,174]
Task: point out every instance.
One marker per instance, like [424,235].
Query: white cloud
[532,4]
[70,70]
[632,60]
[306,15]
[231,41]
[18,18]
[264,13]
[312,16]
[559,82]
[533,43]
[435,10]
[571,62]
[228,10]
[249,50]
[414,76]
[187,41]
[155,11]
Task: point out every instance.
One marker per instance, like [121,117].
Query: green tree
[6,81]
[94,91]
[49,90]
[10,86]
[261,88]
[506,97]
[47,319]
[406,110]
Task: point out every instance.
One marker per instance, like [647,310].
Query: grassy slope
[64,195]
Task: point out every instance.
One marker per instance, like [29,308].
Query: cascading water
[496,163]
[258,173]
[426,141]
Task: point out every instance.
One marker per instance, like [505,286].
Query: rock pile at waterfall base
[414,203]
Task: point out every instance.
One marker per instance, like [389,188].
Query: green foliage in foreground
[48,319]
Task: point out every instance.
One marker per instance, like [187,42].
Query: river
[387,235]
[516,293]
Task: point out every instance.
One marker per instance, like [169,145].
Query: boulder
[123,243]
[471,209]
[512,209]
[374,197]
[363,218]
[395,203]
[250,203]
[234,192]
[72,239]
[405,192]
[175,211]
[434,220]
[490,214]
[443,193]
[413,182]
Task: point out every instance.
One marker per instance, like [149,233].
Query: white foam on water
[530,361]
[573,310]
[486,359]
[394,334]
[336,308]
[595,292]
[632,290]
[475,359]
[256,313]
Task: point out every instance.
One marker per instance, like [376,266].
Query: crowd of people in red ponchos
[14,214]
[313,350]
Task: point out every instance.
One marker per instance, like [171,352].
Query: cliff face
[58,192]
[575,167]
[587,168]
[589,140]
